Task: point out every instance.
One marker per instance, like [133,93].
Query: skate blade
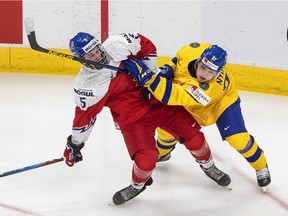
[264,189]
[112,204]
[228,187]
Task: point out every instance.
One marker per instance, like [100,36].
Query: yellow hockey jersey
[205,101]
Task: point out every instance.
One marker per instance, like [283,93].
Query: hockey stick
[34,166]
[30,31]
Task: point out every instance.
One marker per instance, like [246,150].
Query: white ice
[36,113]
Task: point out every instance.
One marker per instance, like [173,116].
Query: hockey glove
[139,70]
[146,94]
[72,152]
[166,71]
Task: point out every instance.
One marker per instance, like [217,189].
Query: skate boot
[128,193]
[164,157]
[217,175]
[263,177]
[214,173]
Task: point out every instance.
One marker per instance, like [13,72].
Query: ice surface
[36,114]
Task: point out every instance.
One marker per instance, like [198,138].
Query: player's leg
[187,131]
[165,144]
[140,142]
[246,145]
[232,128]
[200,150]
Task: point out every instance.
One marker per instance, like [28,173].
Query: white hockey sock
[206,164]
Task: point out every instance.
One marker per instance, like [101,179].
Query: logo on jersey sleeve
[198,95]
[87,126]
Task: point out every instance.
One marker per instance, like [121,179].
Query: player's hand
[139,70]
[72,152]
[166,71]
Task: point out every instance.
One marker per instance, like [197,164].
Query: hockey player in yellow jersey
[196,79]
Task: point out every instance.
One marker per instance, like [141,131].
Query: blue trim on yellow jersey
[155,83]
[167,93]
[174,60]
[231,121]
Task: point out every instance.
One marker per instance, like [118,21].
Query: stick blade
[30,31]
[29,25]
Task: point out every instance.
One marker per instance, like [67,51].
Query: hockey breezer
[30,31]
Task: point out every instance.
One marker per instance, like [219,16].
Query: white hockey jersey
[91,85]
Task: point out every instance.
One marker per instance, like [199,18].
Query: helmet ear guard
[214,57]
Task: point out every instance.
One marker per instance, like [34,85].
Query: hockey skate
[128,193]
[164,157]
[263,177]
[217,175]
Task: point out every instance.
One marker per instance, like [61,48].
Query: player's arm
[81,130]
[83,124]
[163,89]
[169,93]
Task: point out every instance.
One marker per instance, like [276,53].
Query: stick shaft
[30,30]
[34,166]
